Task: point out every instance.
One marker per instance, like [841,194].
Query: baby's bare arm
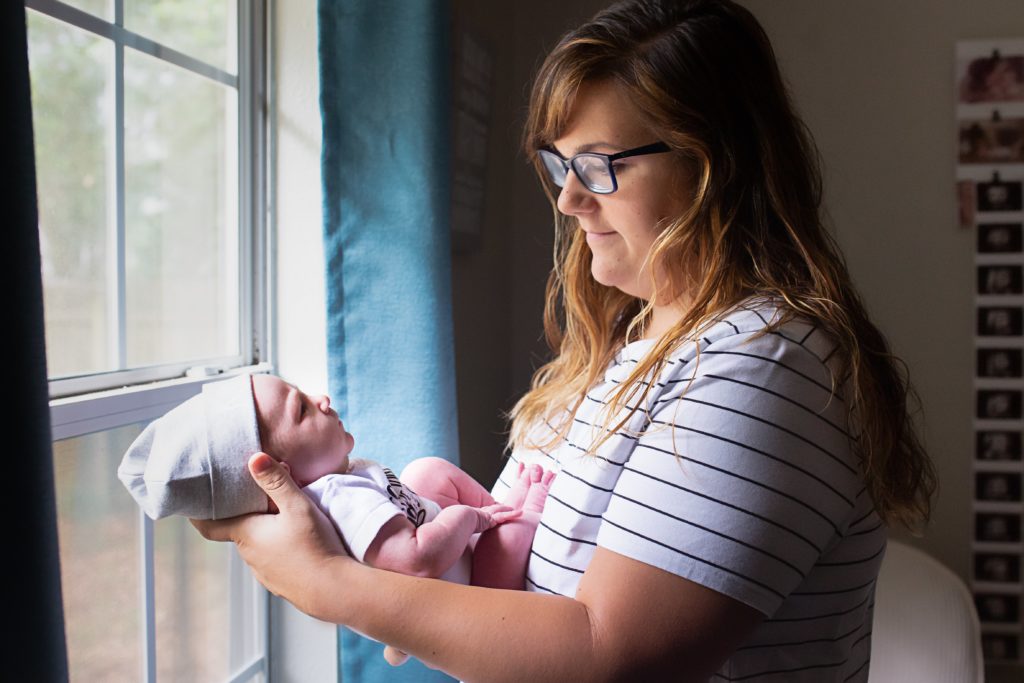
[433,547]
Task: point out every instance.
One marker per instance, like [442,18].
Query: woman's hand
[286,550]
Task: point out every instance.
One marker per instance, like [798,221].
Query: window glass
[98,528]
[204,29]
[72,117]
[104,9]
[181,214]
[192,592]
[197,638]
[137,161]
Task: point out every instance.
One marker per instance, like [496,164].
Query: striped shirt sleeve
[743,476]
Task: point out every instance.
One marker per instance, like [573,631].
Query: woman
[730,430]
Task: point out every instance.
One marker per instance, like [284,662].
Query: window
[150,130]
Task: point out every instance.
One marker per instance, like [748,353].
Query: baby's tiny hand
[493,515]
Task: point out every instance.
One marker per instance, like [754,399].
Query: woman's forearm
[476,634]
[629,621]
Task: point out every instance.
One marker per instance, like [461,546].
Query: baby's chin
[350,443]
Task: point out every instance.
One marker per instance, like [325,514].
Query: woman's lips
[598,237]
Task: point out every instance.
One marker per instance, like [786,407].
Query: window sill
[93,412]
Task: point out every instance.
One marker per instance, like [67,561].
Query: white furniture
[925,626]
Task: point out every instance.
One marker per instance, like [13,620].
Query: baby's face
[299,430]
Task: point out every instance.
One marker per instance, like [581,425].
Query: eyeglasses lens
[555,167]
[595,172]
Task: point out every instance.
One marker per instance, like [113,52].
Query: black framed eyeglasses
[596,171]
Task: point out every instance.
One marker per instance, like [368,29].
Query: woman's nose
[575,199]
[323,402]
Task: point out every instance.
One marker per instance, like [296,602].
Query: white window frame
[250,82]
[90,403]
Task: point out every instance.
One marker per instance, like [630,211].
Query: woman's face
[622,226]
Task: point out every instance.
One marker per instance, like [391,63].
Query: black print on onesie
[405,499]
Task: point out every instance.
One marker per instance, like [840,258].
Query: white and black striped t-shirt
[747,484]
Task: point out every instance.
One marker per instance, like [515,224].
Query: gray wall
[499,285]
[874,82]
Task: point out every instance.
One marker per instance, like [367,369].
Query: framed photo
[999,195]
[998,608]
[997,567]
[1000,646]
[1000,238]
[999,321]
[999,362]
[997,486]
[997,445]
[1002,279]
[999,404]
[997,527]
[994,77]
[995,141]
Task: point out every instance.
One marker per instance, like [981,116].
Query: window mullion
[117,273]
[148,599]
[246,194]
[146,547]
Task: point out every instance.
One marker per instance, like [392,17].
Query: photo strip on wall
[989,83]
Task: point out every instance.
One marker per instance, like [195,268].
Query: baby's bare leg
[444,483]
[502,552]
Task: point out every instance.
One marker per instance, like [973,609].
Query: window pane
[204,29]
[72,116]
[204,598]
[192,592]
[98,527]
[104,9]
[181,204]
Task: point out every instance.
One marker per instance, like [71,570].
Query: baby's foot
[517,494]
[394,656]
[540,484]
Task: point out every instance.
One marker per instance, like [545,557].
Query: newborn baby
[193,462]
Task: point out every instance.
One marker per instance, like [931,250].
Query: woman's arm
[629,621]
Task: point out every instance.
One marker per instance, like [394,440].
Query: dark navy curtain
[33,642]
[384,72]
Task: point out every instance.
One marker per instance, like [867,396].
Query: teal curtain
[384,83]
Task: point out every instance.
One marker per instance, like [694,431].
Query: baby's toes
[537,494]
[517,494]
[549,476]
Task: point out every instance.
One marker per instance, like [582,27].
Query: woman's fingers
[276,482]
[499,514]
[285,550]
[216,529]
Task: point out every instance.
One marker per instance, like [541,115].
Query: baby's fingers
[499,514]
[502,517]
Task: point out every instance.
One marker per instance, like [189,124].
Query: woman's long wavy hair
[703,75]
